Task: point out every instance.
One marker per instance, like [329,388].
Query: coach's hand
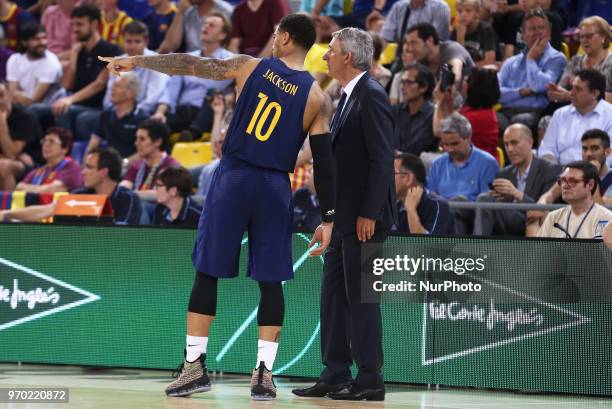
[321,236]
[365,228]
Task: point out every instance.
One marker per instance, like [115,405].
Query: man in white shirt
[588,110]
[582,218]
[34,75]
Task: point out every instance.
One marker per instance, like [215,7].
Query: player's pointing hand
[117,65]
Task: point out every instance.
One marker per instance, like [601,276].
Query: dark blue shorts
[245,197]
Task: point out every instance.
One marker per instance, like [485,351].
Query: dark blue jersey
[267,127]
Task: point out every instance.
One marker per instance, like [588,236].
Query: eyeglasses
[408,82]
[586,36]
[568,181]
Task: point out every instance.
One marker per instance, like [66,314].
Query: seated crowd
[493,102]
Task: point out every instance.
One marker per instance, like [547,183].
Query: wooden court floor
[134,388]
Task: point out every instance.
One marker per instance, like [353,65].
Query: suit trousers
[351,331]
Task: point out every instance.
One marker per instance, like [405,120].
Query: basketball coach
[362,131]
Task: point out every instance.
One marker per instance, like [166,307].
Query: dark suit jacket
[542,175]
[363,150]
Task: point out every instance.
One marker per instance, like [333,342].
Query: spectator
[188,23]
[425,46]
[58,25]
[475,35]
[525,180]
[377,71]
[588,110]
[221,121]
[395,92]
[34,74]
[554,11]
[5,54]
[594,142]
[85,75]
[583,218]
[419,212]
[152,82]
[253,23]
[12,17]
[607,235]
[175,207]
[184,105]
[542,128]
[159,20]
[434,12]
[413,131]
[595,41]
[523,79]
[100,176]
[112,22]
[596,150]
[306,210]
[118,122]
[18,130]
[463,170]
[59,173]
[482,92]
[332,9]
[141,176]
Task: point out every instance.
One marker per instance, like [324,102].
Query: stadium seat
[191,154]
[500,155]
[78,150]
[388,54]
[565,50]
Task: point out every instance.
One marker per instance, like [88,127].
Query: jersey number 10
[259,119]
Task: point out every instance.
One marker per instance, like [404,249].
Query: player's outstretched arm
[184,64]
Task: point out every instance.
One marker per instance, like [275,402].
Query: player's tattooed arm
[324,113]
[187,64]
[182,64]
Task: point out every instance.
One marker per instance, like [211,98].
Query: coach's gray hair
[133,83]
[457,123]
[357,42]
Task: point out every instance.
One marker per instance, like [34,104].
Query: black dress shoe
[357,392]
[318,390]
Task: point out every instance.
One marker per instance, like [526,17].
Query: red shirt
[255,28]
[485,128]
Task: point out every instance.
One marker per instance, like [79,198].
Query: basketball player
[278,105]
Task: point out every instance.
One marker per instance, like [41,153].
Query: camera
[447,77]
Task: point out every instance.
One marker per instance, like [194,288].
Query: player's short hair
[300,28]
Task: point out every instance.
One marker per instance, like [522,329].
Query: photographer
[481,93]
